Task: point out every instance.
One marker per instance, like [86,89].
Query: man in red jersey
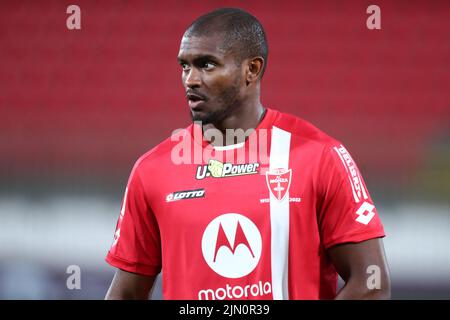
[247,202]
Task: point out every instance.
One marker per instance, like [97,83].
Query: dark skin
[230,98]
[230,90]
[351,261]
[130,286]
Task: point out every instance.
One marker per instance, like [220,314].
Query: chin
[205,118]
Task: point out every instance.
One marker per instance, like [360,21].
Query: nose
[192,79]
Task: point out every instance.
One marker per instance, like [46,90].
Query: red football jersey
[247,221]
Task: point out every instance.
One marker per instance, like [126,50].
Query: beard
[226,104]
[213,117]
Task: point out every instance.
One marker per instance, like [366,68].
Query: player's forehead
[192,47]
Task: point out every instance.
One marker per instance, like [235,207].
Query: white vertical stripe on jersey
[363,187]
[279,217]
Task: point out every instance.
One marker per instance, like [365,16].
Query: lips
[194,100]
[195,105]
[194,96]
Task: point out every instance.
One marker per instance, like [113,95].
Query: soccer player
[274,213]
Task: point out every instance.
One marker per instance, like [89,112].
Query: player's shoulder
[304,131]
[160,154]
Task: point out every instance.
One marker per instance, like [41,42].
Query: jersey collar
[266,123]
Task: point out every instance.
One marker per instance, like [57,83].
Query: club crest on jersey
[278,182]
[217,169]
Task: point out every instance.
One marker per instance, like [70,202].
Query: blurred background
[78,107]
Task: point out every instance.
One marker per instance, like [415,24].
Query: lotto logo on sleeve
[364,217]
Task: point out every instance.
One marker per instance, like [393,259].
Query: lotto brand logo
[218,169]
[361,212]
[232,245]
[188,194]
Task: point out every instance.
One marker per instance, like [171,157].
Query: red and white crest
[278,182]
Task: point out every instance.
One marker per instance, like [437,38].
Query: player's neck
[245,118]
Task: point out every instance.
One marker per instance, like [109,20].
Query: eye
[208,66]
[184,66]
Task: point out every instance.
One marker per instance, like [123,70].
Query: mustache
[195,93]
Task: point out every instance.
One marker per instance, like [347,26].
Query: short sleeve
[346,212]
[136,247]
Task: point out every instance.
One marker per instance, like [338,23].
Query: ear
[254,69]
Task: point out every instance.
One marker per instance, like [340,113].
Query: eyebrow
[201,57]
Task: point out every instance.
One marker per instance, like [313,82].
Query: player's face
[211,77]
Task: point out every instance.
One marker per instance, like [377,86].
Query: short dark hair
[242,32]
